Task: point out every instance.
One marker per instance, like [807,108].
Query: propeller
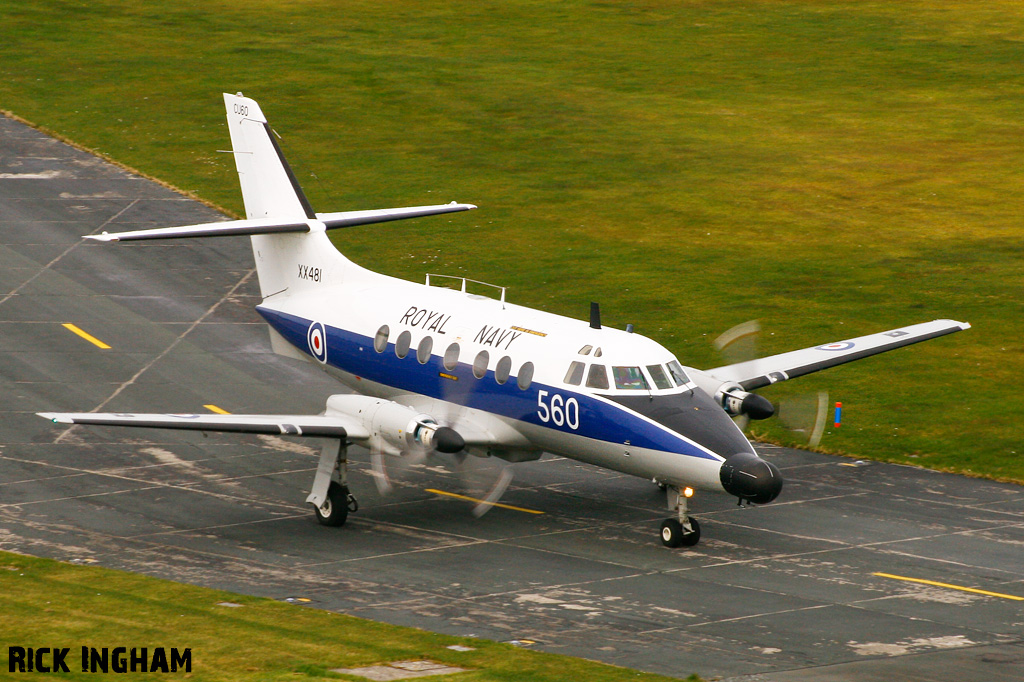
[805,414]
[483,478]
[386,460]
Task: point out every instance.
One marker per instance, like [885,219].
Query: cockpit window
[660,378]
[586,350]
[575,374]
[597,377]
[677,373]
[597,353]
[629,378]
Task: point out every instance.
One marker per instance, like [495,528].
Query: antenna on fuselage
[595,315]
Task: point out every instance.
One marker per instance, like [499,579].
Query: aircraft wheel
[334,511]
[673,535]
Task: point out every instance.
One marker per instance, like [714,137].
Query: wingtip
[55,417]
[964,326]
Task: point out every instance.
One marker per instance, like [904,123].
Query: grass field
[58,605]
[831,168]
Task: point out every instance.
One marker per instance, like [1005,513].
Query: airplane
[445,370]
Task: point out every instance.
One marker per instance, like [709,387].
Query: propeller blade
[380,470]
[497,490]
[739,344]
[806,414]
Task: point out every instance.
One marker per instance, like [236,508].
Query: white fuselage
[499,368]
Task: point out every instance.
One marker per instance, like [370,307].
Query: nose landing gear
[681,531]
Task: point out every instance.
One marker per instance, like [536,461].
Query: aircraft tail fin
[269,187]
[289,241]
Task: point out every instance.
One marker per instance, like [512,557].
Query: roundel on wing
[842,345]
[316,339]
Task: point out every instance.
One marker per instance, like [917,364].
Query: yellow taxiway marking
[961,588]
[214,408]
[473,499]
[85,335]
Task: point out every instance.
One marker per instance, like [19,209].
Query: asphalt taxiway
[860,571]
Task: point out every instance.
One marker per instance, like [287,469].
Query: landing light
[687,492]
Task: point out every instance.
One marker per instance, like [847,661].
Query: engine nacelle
[397,426]
[735,401]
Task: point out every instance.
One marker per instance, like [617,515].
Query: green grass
[54,604]
[832,168]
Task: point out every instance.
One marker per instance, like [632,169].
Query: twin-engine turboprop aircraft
[444,370]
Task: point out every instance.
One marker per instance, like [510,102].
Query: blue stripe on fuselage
[355,354]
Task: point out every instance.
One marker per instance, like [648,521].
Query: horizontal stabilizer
[330,221]
[762,372]
[384,215]
[268,424]
[230,228]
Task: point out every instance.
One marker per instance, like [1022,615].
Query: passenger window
[480,364]
[575,374]
[658,374]
[380,342]
[451,357]
[503,369]
[402,344]
[629,378]
[597,377]
[586,350]
[677,373]
[423,351]
[525,377]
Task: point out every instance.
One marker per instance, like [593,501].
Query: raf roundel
[316,339]
[843,345]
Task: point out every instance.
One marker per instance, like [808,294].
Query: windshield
[678,375]
[597,377]
[664,377]
[629,378]
[657,373]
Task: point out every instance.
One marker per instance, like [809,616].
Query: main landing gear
[681,531]
[330,497]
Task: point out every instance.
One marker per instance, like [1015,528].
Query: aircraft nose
[749,477]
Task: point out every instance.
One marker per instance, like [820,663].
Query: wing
[334,426]
[765,371]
